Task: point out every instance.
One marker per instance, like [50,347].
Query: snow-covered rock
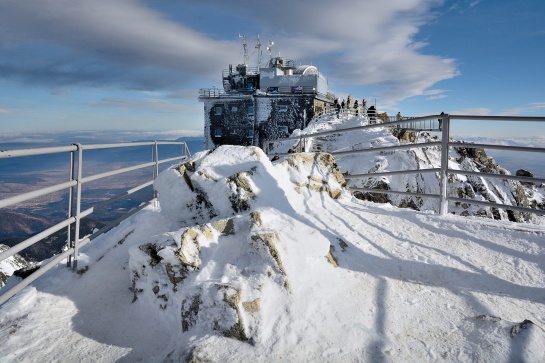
[234,262]
[10,265]
[499,191]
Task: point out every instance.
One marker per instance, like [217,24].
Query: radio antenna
[269,48]
[245,46]
[258,47]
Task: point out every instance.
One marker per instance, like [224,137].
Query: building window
[234,108]
[251,110]
[217,133]
[282,108]
[251,133]
[218,110]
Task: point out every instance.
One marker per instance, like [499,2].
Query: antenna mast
[245,46]
[258,47]
[269,48]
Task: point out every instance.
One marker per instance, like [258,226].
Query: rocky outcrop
[471,187]
[218,272]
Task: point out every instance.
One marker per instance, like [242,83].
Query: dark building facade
[263,103]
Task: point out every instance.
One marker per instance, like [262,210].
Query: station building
[263,103]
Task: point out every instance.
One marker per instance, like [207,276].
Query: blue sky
[69,65]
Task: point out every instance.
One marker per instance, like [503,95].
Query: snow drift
[253,261]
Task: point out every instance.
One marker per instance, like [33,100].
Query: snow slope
[420,158]
[245,260]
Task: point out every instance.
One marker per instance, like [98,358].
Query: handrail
[40,151]
[367,190]
[389,173]
[444,121]
[76,181]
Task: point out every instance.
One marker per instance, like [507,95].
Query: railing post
[444,125]
[70,204]
[78,205]
[156,160]
[156,168]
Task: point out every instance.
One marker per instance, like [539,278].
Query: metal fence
[74,212]
[303,142]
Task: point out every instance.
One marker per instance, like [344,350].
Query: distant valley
[23,174]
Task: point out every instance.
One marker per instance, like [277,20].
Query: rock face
[223,255]
[522,194]
[492,190]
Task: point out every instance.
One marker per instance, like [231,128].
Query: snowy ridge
[506,192]
[246,260]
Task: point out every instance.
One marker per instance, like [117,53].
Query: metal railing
[442,171]
[74,212]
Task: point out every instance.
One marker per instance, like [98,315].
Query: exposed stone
[327,162]
[232,298]
[26,271]
[190,247]
[374,183]
[518,328]
[182,169]
[190,310]
[342,244]
[243,192]
[525,173]
[135,291]
[251,306]
[409,203]
[256,218]
[404,135]
[151,250]
[176,274]
[203,205]
[270,240]
[225,226]
[330,258]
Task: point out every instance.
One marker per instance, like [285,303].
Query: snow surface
[246,260]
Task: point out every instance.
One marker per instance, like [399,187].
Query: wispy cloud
[438,97]
[472,111]
[435,94]
[475,3]
[129,44]
[147,104]
[531,108]
[118,36]
[57,92]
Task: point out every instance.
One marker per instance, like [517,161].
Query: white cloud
[438,97]
[530,108]
[482,111]
[358,43]
[362,43]
[122,31]
[147,104]
[57,92]
[474,3]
